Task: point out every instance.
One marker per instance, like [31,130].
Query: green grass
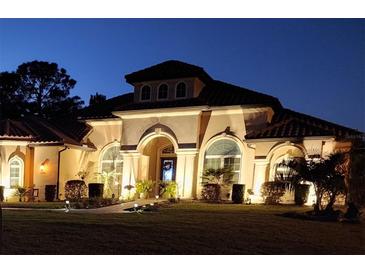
[44,205]
[187,228]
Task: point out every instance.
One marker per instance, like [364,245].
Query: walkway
[119,208]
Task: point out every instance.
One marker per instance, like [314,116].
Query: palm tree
[326,175]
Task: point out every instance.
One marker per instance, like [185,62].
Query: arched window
[146,93]
[163,91]
[224,154]
[284,168]
[16,166]
[111,170]
[181,90]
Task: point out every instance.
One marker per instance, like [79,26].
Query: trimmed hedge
[96,190]
[211,192]
[50,193]
[237,193]
[75,190]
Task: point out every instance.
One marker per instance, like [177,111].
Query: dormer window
[163,92]
[181,90]
[146,93]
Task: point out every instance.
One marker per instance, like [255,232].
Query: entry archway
[158,159]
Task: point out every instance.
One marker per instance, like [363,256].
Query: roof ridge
[247,89]
[318,119]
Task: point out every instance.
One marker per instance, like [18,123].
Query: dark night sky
[312,66]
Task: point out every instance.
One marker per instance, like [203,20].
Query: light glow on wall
[44,166]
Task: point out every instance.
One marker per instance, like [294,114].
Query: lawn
[186,228]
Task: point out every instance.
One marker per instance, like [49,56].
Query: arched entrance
[158,160]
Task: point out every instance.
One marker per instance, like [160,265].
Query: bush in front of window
[211,192]
[50,193]
[222,177]
[75,190]
[272,192]
[20,192]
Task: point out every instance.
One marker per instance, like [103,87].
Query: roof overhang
[160,112]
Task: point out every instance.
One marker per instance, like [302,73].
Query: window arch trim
[176,89]
[158,92]
[20,175]
[141,93]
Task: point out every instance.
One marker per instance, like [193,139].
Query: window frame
[186,90]
[223,157]
[158,92]
[115,162]
[21,172]
[141,93]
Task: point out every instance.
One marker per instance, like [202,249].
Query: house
[176,123]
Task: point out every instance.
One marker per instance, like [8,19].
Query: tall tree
[12,102]
[47,88]
[96,99]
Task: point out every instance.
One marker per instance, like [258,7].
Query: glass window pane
[146,93]
[112,154]
[107,167]
[224,147]
[181,90]
[214,163]
[162,91]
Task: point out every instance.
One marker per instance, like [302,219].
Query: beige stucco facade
[179,133]
[140,136]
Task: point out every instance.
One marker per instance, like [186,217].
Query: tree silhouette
[96,99]
[46,87]
[12,102]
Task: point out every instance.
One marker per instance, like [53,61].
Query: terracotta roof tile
[39,130]
[287,123]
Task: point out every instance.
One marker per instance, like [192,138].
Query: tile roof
[171,69]
[290,124]
[38,130]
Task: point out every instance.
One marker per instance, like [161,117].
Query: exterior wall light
[44,166]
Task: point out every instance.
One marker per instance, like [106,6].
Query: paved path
[119,208]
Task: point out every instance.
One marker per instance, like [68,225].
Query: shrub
[144,186]
[167,189]
[2,193]
[75,190]
[170,190]
[96,190]
[50,193]
[301,194]
[21,192]
[237,193]
[211,192]
[272,192]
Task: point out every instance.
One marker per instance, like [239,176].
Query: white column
[185,172]
[260,176]
[130,172]
[180,174]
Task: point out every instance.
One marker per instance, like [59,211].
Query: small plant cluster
[165,189]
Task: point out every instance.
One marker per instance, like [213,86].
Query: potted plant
[129,188]
[143,187]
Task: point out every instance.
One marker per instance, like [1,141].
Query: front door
[168,169]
